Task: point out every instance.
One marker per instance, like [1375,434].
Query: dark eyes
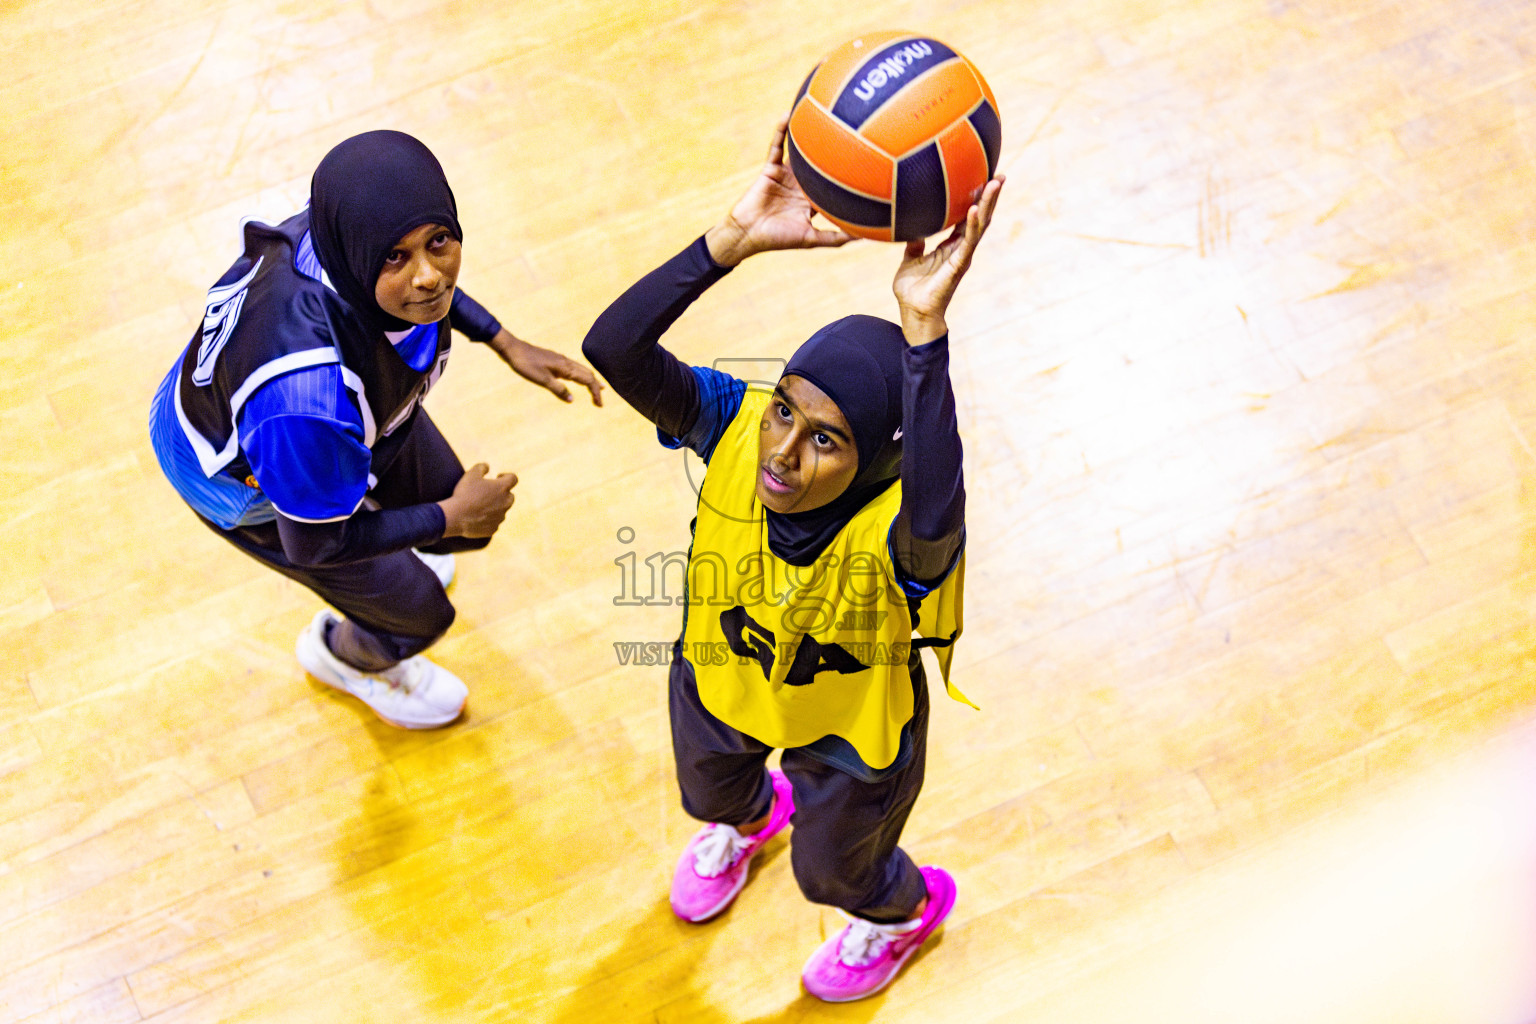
[399,256]
[823,440]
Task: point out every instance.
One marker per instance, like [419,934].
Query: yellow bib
[790,654]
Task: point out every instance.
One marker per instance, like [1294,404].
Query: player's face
[805,450]
[417,281]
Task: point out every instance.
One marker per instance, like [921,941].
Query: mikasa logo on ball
[891,67]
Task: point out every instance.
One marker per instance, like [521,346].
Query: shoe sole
[416,727]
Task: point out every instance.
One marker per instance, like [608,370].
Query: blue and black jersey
[284,399]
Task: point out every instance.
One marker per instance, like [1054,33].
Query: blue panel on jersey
[419,347]
[922,195]
[720,397]
[221,499]
[313,470]
[883,74]
[303,437]
[305,261]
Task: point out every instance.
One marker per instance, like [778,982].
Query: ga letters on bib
[790,654]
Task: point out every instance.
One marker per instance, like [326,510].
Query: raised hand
[773,214]
[926,281]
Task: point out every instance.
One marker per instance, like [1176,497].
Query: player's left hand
[926,281]
[546,368]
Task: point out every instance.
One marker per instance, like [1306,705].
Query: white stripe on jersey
[220,315]
[213,461]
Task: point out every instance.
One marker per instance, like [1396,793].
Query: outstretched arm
[548,369]
[624,343]
[545,367]
[930,528]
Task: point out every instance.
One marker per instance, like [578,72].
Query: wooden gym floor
[1245,372]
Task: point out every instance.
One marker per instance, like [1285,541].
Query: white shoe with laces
[441,565]
[415,694]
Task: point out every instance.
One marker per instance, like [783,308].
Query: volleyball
[893,135]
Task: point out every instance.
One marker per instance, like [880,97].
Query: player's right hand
[774,213]
[479,502]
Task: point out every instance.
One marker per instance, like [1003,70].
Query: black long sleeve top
[624,345]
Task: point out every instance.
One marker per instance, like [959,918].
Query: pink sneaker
[714,865]
[863,958]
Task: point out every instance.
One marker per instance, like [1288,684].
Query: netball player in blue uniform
[292,424]
[830,530]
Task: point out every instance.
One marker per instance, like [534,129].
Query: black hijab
[368,193]
[857,362]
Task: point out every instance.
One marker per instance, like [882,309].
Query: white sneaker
[442,565]
[415,694]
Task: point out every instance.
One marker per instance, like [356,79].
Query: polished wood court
[1246,372]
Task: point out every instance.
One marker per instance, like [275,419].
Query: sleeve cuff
[707,264]
[471,319]
[928,350]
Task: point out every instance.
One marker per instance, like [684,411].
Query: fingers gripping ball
[893,136]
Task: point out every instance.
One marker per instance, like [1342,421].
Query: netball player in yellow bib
[828,550]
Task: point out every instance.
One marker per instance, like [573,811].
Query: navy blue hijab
[369,192]
[857,361]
